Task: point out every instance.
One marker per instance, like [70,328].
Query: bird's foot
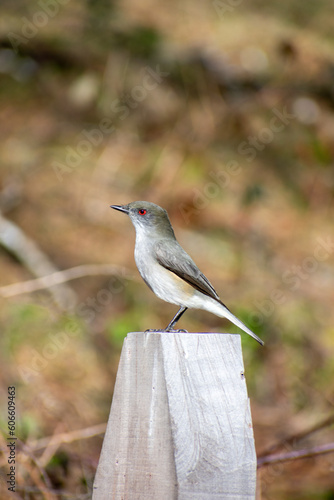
[169,330]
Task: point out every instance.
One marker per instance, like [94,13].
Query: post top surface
[160,332]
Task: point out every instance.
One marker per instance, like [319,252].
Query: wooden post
[180,426]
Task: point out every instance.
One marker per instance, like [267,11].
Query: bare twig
[32,257]
[62,277]
[68,437]
[38,474]
[293,455]
[294,438]
[36,492]
[51,444]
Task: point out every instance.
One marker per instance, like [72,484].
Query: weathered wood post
[180,426]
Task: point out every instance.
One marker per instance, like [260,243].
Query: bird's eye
[142,211]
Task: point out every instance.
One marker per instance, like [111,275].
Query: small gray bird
[167,269]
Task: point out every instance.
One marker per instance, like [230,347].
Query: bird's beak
[121,208]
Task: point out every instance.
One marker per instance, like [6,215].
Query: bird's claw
[169,330]
[181,330]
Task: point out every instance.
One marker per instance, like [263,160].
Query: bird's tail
[221,310]
[241,325]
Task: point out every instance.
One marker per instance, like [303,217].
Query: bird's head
[147,217]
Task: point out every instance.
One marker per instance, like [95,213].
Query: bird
[168,270]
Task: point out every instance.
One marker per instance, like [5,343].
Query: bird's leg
[176,318]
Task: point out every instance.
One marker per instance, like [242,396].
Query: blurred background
[223,113]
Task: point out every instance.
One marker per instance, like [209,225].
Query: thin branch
[63,276]
[25,490]
[294,438]
[294,455]
[13,238]
[38,474]
[68,437]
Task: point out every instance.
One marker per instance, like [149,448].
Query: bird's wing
[171,256]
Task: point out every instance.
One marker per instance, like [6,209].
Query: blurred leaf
[141,41]
[24,320]
[321,152]
[28,426]
[118,329]
[253,193]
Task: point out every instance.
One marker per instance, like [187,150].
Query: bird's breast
[165,284]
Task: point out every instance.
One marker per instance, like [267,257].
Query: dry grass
[253,226]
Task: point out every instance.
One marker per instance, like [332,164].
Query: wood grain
[180,424]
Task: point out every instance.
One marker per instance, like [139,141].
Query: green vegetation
[221,113]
